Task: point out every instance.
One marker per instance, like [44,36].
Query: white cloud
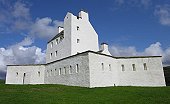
[163,13]
[21,10]
[16,18]
[20,53]
[45,27]
[152,50]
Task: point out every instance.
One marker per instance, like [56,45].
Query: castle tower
[77,35]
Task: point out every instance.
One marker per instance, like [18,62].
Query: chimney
[60,29]
[84,15]
[104,49]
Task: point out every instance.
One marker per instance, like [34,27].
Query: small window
[60,71]
[55,53]
[102,66]
[16,73]
[39,73]
[64,70]
[133,66]
[77,68]
[123,67]
[56,41]
[78,40]
[51,55]
[51,44]
[70,70]
[77,27]
[61,38]
[110,67]
[145,67]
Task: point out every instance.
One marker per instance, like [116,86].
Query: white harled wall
[114,76]
[79,36]
[153,76]
[60,72]
[34,74]
[84,37]
[103,71]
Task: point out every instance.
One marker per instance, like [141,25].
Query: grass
[59,94]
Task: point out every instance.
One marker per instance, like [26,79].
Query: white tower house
[77,35]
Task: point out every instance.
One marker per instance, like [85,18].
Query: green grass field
[58,94]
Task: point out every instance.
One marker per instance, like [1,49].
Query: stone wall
[73,71]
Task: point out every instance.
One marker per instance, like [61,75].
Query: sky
[130,27]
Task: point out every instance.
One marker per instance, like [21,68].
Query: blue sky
[130,27]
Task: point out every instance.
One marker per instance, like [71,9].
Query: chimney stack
[60,29]
[104,49]
[84,15]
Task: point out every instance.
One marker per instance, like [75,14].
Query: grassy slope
[51,94]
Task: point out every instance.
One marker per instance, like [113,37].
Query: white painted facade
[25,74]
[78,36]
[73,58]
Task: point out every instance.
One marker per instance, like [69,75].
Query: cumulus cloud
[20,53]
[45,27]
[153,50]
[16,17]
[163,13]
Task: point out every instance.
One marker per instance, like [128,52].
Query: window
[64,70]
[55,73]
[56,41]
[39,73]
[70,70]
[133,66]
[123,67]
[60,71]
[145,67]
[77,68]
[110,67]
[61,37]
[16,73]
[51,44]
[78,40]
[51,55]
[55,53]
[102,66]
[77,27]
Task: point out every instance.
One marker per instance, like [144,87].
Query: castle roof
[58,35]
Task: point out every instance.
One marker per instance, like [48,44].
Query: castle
[73,58]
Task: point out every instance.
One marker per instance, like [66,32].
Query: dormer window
[51,44]
[56,41]
[51,55]
[55,53]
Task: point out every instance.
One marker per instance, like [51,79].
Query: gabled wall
[83,31]
[79,36]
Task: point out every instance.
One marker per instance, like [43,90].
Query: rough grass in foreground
[58,94]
